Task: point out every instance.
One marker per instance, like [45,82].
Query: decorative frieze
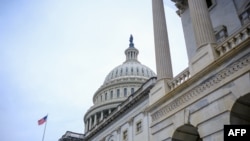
[238,65]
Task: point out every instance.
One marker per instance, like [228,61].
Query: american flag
[42,120]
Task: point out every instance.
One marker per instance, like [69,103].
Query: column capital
[181,5]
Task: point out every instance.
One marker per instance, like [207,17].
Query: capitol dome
[119,84]
[130,68]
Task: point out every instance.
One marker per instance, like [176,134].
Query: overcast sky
[54,55]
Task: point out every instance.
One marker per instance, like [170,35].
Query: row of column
[132,55]
[203,30]
[93,119]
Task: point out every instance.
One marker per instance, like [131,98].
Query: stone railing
[179,79]
[234,40]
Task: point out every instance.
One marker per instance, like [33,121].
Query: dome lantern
[131,52]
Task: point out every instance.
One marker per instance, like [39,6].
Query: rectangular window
[125,92]
[111,95]
[118,93]
[125,135]
[138,127]
[132,90]
[106,95]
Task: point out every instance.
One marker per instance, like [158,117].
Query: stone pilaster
[204,36]
[162,51]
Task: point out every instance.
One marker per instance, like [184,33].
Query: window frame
[125,135]
[138,124]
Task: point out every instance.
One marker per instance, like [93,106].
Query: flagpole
[45,128]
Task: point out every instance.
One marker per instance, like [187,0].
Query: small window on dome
[142,71]
[111,95]
[116,72]
[118,93]
[112,74]
[137,70]
[125,92]
[132,90]
[106,95]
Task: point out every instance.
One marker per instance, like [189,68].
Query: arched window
[240,112]
[186,132]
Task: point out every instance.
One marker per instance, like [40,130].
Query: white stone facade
[196,104]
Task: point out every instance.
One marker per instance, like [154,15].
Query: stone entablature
[124,79]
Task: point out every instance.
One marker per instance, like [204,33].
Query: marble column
[86,126]
[90,123]
[162,51]
[101,118]
[95,119]
[203,29]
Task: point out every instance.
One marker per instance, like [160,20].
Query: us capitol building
[135,104]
